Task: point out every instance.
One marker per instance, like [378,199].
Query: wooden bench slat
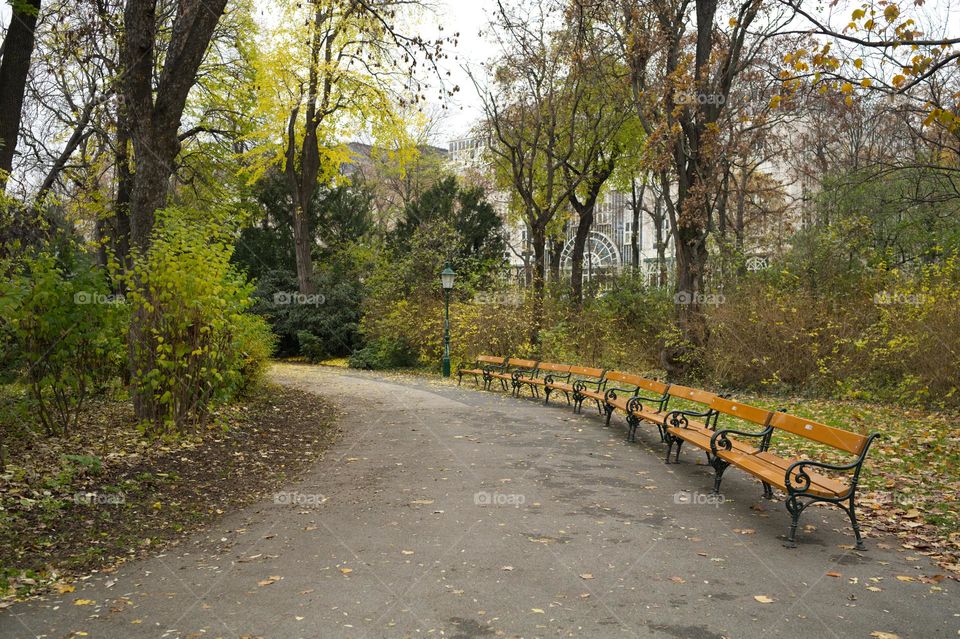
[844,440]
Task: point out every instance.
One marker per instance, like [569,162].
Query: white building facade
[608,248]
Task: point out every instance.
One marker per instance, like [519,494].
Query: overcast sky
[470,17]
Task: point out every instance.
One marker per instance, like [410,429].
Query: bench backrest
[491,359]
[625,378]
[742,411]
[840,439]
[691,394]
[653,386]
[586,371]
[523,363]
[555,368]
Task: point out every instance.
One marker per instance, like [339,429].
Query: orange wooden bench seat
[513,368]
[479,367]
[545,373]
[801,479]
[578,376]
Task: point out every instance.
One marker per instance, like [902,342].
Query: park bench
[545,373]
[479,368]
[578,377]
[507,373]
[628,397]
[798,478]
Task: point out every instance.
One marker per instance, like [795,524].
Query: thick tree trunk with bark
[576,257]
[538,238]
[303,245]
[14,68]
[556,252]
[121,226]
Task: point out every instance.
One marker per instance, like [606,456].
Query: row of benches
[648,401]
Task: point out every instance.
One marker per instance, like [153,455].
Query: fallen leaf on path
[84,602]
[879,634]
[269,580]
[346,571]
[539,611]
[586,575]
[763,599]
[834,574]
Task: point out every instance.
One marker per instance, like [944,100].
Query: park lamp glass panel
[446,278]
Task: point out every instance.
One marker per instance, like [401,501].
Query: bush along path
[104,493]
[444,511]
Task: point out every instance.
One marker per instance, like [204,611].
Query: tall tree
[16,50]
[682,78]
[154,108]
[531,110]
[599,141]
[155,105]
[353,72]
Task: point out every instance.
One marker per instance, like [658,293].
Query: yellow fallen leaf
[346,571]
[64,588]
[586,575]
[538,611]
[879,634]
[84,602]
[269,580]
[763,599]
[874,589]
[406,552]
[905,578]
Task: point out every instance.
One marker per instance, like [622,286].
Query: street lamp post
[446,280]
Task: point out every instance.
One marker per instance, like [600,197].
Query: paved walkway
[391,536]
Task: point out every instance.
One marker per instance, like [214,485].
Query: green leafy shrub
[192,342]
[312,347]
[63,334]
[382,353]
[253,345]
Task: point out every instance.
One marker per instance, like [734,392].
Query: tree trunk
[680,360]
[154,107]
[556,251]
[538,238]
[14,68]
[303,245]
[741,209]
[121,227]
[661,242]
[151,181]
[636,203]
[576,258]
